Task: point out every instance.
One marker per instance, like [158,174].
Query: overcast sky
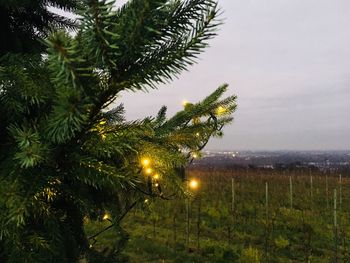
[288,61]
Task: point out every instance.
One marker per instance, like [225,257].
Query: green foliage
[281,242]
[250,255]
[23,23]
[65,158]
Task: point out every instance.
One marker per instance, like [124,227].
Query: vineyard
[241,216]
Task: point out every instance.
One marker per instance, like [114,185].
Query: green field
[275,217]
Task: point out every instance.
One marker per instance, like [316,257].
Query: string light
[184,103]
[148,171]
[197,134]
[145,162]
[146,201]
[193,184]
[156,176]
[194,155]
[106,217]
[156,185]
[220,110]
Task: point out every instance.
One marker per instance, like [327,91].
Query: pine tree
[23,23]
[66,156]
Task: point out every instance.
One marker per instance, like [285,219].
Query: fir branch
[172,56]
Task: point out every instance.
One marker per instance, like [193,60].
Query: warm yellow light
[184,103]
[148,171]
[145,161]
[146,201]
[220,110]
[193,184]
[105,217]
[194,155]
[156,185]
[197,134]
[156,176]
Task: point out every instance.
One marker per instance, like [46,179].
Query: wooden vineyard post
[335,226]
[232,195]
[311,189]
[231,227]
[327,197]
[266,218]
[291,192]
[266,200]
[198,221]
[187,220]
[340,192]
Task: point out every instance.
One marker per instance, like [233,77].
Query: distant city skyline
[289,64]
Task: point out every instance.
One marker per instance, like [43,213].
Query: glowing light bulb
[194,155]
[156,185]
[197,134]
[193,184]
[220,110]
[105,217]
[148,171]
[146,201]
[145,161]
[156,176]
[184,103]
